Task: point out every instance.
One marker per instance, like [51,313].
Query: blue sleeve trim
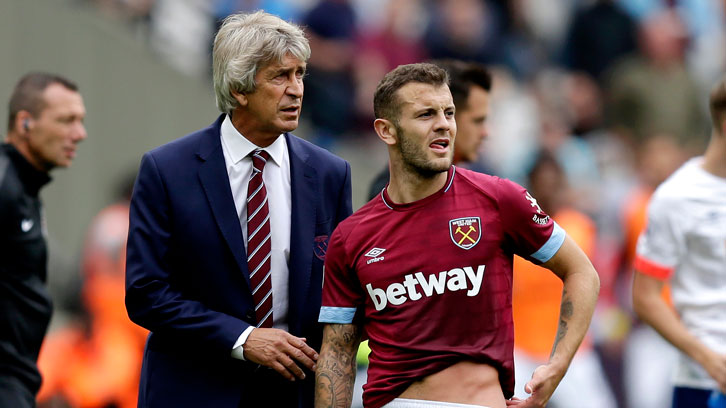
[340,315]
[550,248]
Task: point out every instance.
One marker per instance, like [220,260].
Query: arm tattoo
[335,374]
[566,311]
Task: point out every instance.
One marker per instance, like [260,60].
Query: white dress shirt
[276,176]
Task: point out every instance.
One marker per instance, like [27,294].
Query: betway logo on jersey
[416,285]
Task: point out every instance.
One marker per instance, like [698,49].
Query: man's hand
[543,383]
[715,366]
[280,351]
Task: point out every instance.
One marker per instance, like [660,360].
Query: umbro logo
[373,254]
[26,224]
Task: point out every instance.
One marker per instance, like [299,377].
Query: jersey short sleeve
[341,289]
[660,245]
[534,235]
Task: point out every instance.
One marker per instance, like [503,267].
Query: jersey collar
[419,203]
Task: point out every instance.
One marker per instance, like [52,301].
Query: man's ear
[23,122]
[386,131]
[240,97]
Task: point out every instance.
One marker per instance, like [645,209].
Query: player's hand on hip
[280,351]
[715,366]
[543,383]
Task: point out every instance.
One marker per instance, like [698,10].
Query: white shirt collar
[240,147]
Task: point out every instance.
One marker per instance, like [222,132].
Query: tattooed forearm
[335,374]
[566,312]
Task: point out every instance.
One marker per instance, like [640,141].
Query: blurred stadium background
[614,90]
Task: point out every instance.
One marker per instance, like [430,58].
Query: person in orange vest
[95,362]
[536,300]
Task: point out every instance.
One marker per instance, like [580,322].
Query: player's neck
[408,186]
[714,159]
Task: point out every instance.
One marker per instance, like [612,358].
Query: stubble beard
[414,158]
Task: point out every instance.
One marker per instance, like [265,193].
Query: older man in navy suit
[228,232]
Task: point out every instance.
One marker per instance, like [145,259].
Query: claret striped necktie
[258,241]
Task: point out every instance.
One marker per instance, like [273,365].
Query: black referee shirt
[25,305]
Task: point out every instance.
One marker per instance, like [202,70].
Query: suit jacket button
[250,315]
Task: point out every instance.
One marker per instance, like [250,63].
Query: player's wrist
[558,365]
[702,354]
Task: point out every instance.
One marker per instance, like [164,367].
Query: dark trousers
[685,397]
[14,394]
[272,390]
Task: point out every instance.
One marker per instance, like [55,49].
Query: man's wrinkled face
[274,107]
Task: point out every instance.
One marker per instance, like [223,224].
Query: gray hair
[244,44]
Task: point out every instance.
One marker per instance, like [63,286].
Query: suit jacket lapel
[215,182]
[304,197]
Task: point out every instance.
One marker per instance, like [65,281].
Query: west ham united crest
[465,232]
[321,246]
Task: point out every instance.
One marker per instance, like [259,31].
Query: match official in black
[45,125]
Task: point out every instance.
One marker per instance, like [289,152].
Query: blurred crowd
[593,104]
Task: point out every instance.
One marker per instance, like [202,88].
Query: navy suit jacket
[187,279]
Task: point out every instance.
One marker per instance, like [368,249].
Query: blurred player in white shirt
[685,243]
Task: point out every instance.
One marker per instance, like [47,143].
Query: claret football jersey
[431,280]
